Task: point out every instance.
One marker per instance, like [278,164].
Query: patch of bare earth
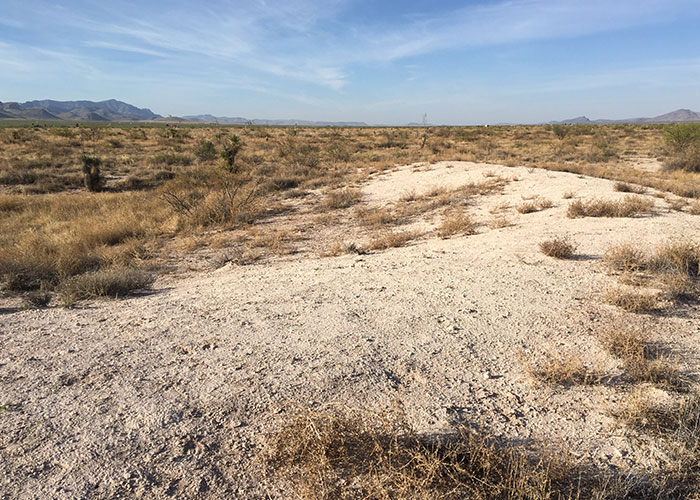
[171,394]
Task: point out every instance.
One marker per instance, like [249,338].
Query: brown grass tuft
[106,283]
[456,223]
[625,257]
[624,187]
[534,205]
[642,360]
[390,239]
[630,301]
[559,247]
[631,206]
[342,198]
[350,454]
[561,369]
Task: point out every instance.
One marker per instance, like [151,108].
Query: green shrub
[205,151]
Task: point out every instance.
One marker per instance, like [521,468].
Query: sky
[380,62]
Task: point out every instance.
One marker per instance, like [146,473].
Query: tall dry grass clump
[673,267]
[630,206]
[454,223]
[642,360]
[349,454]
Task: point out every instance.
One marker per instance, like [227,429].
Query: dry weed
[456,223]
[562,369]
[624,187]
[559,247]
[390,239]
[499,222]
[631,206]
[642,360]
[630,301]
[349,454]
[342,198]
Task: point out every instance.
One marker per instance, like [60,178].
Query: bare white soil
[170,394]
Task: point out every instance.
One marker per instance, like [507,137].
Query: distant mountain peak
[48,109]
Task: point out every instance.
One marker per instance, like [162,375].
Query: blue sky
[387,62]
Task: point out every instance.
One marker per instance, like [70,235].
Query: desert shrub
[559,247]
[632,301]
[92,177]
[642,360]
[562,369]
[625,257]
[18,177]
[682,136]
[172,159]
[456,223]
[211,196]
[104,283]
[390,239]
[231,147]
[681,257]
[137,134]
[205,151]
[684,141]
[534,205]
[629,207]
[625,187]
[341,198]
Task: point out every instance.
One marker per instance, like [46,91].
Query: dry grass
[673,265]
[499,222]
[390,239]
[535,204]
[624,187]
[456,223]
[161,184]
[677,426]
[340,247]
[342,198]
[631,206]
[694,208]
[105,283]
[642,360]
[562,369]
[559,247]
[631,301]
[348,454]
[379,217]
[625,257]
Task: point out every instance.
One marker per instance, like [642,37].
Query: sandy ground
[170,394]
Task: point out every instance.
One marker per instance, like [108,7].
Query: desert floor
[171,393]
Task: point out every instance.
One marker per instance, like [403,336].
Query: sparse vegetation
[456,223]
[390,239]
[642,360]
[672,267]
[624,187]
[631,206]
[562,369]
[633,301]
[559,247]
[534,205]
[342,198]
[107,283]
[331,454]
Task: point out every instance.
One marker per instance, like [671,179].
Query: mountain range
[113,110]
[680,115]
[243,121]
[103,111]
